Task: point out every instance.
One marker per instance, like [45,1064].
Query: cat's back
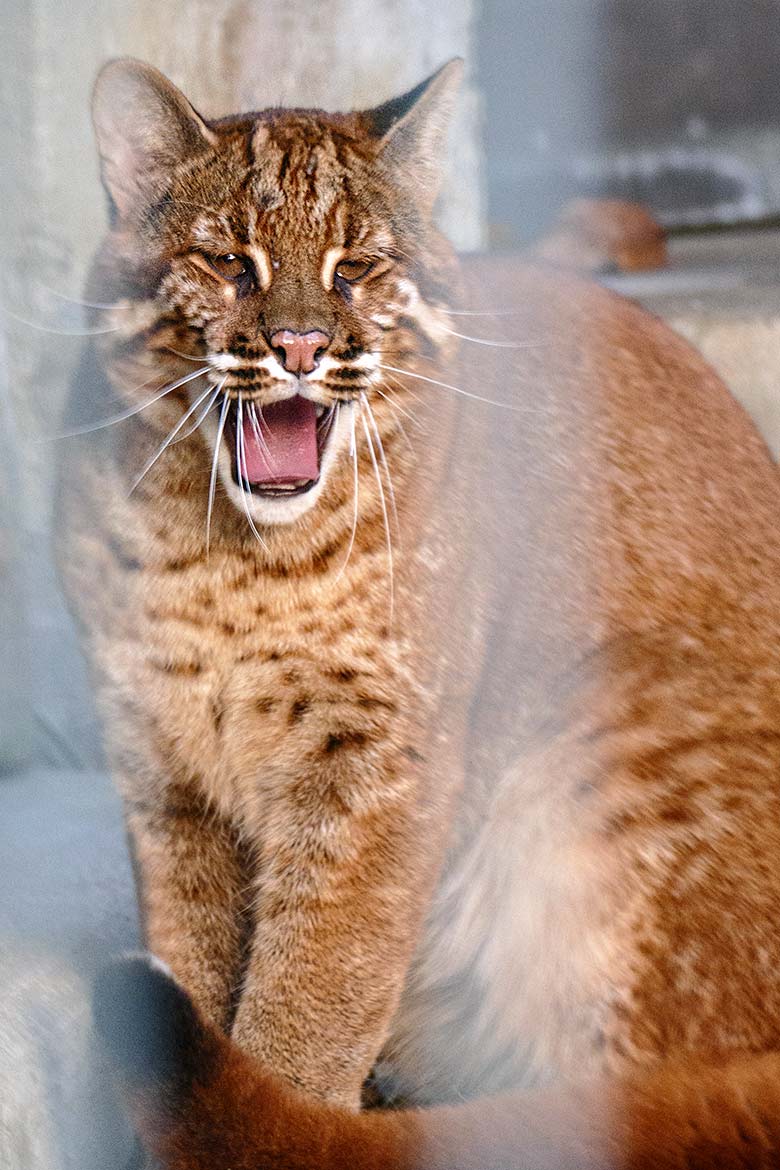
[625,480]
[567,347]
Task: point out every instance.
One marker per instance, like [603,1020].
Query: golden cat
[449,733]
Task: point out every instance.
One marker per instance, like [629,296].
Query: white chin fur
[279,510]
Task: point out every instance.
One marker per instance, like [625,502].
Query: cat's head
[294,251]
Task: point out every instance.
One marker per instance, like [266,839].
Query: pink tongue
[282,447]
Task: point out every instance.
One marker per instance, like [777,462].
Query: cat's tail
[200,1104]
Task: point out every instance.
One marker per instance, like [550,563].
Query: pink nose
[302,351]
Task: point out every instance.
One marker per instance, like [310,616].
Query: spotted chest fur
[278,688]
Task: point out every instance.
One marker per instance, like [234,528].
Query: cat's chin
[265,508]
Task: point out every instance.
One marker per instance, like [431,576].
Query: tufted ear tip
[413,130]
[118,70]
[453,70]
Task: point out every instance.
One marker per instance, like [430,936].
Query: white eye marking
[329,262]
[262,265]
[229,293]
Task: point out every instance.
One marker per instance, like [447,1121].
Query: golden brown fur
[573,701]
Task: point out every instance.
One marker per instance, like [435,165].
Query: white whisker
[397,407]
[482,312]
[171,437]
[59,332]
[243,474]
[406,390]
[190,357]
[191,430]
[353,454]
[404,433]
[263,423]
[75,301]
[366,404]
[215,463]
[465,393]
[496,344]
[117,418]
[384,512]
[258,433]
[326,423]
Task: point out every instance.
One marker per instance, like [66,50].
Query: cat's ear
[413,130]
[144,127]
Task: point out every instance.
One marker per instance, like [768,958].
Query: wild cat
[442,690]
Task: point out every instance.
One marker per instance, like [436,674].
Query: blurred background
[671,102]
[675,103]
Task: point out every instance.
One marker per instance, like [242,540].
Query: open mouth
[279,450]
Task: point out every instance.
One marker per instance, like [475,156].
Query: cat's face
[294,251]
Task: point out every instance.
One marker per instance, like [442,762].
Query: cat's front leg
[192,892]
[349,854]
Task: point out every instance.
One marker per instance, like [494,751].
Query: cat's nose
[302,351]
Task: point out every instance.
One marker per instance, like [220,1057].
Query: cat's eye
[231,266]
[352,270]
